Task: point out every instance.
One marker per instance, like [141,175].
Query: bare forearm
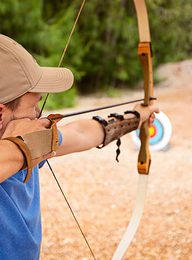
[80,135]
[11,159]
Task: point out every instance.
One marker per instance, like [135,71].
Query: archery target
[160,133]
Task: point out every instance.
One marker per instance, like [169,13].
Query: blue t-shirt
[20,216]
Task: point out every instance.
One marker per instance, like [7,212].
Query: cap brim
[54,80]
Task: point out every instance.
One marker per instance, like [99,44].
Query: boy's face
[28,106]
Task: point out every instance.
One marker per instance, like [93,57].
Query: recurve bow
[144,158]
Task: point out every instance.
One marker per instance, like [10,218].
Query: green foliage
[171,29]
[59,101]
[113,92]
[102,52]
[22,21]
[109,56]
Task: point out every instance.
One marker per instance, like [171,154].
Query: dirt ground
[102,192]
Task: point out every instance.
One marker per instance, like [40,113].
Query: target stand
[160,134]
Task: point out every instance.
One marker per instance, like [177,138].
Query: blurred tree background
[102,52]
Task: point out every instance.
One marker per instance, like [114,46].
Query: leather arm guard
[115,129]
[36,144]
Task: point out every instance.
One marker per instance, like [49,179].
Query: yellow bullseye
[152,131]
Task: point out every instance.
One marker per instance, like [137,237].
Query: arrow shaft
[98,108]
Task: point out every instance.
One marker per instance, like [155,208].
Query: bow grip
[144,158]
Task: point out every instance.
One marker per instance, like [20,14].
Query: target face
[160,133]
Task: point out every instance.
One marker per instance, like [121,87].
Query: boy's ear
[2,109]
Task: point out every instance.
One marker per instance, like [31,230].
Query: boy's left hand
[146,112]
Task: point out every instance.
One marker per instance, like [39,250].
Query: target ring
[160,133]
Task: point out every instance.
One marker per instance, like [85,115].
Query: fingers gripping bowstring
[63,194]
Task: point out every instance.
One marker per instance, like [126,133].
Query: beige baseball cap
[20,73]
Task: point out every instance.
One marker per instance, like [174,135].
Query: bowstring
[77,18]
[64,51]
[50,167]
[70,208]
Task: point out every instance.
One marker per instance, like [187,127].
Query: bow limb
[144,158]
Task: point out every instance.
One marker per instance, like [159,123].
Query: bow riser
[145,58]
